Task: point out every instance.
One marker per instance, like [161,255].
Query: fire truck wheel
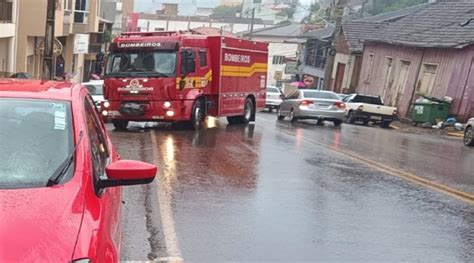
[120,124]
[198,116]
[249,111]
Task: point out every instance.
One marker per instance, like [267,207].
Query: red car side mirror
[127,172]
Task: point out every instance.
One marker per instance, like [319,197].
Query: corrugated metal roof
[280,30]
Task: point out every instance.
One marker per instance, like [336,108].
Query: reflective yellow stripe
[197,80]
[240,71]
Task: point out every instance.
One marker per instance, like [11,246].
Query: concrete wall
[279,49]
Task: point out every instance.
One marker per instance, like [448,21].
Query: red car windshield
[35,138]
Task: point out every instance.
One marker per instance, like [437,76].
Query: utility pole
[337,12]
[251,23]
[49,41]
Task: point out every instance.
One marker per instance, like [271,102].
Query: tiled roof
[436,25]
[357,32]
[325,32]
[395,15]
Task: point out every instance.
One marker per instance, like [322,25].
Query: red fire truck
[182,78]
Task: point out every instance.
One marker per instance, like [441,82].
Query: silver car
[313,104]
[469,133]
[274,98]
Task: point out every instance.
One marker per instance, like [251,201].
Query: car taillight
[360,108]
[340,105]
[306,102]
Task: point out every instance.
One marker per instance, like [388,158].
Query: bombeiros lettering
[236,58]
[139,44]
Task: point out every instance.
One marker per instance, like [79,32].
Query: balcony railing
[6,11]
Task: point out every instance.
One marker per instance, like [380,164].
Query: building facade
[8,24]
[77,37]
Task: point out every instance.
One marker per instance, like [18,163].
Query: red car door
[108,199]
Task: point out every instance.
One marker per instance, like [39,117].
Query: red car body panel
[67,221]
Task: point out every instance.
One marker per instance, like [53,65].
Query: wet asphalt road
[274,191]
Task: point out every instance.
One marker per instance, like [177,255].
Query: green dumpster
[432,112]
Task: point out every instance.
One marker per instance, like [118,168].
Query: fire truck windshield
[152,64]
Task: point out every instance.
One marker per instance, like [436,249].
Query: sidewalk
[409,128]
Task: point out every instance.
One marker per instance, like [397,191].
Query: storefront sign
[81,44]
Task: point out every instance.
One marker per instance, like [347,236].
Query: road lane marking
[458,194]
[164,200]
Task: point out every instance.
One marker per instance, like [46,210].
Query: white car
[96,89]
[274,98]
[369,109]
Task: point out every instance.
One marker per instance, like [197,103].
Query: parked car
[96,89]
[313,104]
[21,75]
[469,133]
[274,98]
[61,177]
[342,96]
[369,109]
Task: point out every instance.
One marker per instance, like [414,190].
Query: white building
[164,23]
[8,24]
[279,51]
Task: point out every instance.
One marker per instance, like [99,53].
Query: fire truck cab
[172,77]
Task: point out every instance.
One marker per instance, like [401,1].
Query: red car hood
[40,224]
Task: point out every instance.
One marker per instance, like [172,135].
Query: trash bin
[432,112]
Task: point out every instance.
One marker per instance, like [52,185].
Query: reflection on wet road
[264,192]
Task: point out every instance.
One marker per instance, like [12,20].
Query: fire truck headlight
[105,113]
[106,104]
[170,113]
[167,104]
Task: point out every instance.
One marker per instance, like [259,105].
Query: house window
[278,60]
[316,54]
[427,78]
[68,5]
[371,68]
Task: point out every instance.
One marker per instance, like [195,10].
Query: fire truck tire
[198,115]
[249,114]
[120,124]
[249,111]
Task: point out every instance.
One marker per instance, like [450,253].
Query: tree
[382,6]
[226,11]
[288,13]
[313,16]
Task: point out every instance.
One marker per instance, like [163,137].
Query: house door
[401,83]
[388,79]
[427,79]
[341,68]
